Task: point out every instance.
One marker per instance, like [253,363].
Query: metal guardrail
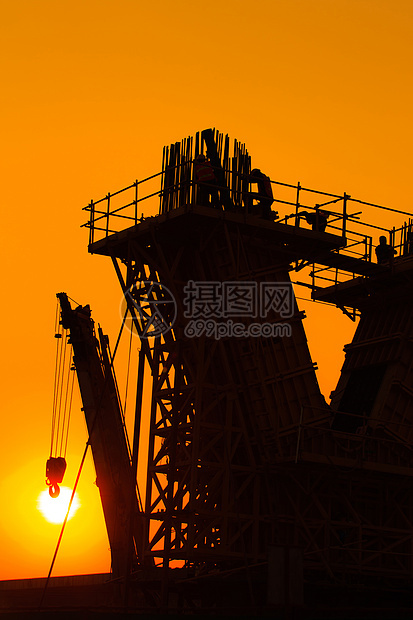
[176,187]
[120,209]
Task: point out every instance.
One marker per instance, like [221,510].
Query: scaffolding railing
[294,205]
[120,210]
[156,195]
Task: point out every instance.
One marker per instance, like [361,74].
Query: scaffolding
[244,452]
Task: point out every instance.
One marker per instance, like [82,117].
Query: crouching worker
[317,219]
[263,195]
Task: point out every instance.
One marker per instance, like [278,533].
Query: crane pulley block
[55,470]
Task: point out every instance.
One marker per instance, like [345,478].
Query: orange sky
[319,90]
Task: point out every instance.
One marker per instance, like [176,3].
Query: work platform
[383,282]
[291,241]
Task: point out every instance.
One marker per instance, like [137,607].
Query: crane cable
[58,336]
[61,411]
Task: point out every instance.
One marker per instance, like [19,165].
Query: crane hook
[54,490]
[55,470]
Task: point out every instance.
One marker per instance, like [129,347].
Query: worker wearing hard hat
[384,251]
[264,195]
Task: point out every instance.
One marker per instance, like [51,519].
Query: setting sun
[55,509]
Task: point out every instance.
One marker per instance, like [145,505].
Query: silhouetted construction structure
[260,496]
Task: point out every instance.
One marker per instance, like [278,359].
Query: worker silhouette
[384,252]
[264,196]
[316,219]
[207,183]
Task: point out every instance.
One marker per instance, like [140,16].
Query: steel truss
[219,407]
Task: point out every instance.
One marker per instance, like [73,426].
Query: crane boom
[107,437]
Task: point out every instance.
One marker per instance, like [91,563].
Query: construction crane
[107,436]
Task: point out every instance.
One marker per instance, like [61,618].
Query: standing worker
[206,181]
[264,196]
[384,252]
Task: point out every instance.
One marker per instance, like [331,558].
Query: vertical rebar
[136,201]
[107,214]
[297,204]
[92,222]
[345,198]
[163,176]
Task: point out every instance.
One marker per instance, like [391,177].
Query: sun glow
[55,509]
